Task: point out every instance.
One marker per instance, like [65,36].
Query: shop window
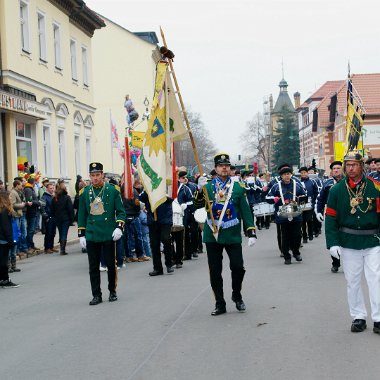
[24,142]
[42,37]
[73,52]
[24,21]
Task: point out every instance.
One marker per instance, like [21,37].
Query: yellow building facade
[47,87]
[124,63]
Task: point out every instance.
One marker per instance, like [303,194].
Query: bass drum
[200,216]
[177,217]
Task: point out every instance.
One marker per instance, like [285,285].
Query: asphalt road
[297,324]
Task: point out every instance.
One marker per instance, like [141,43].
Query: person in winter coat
[6,238]
[47,216]
[62,211]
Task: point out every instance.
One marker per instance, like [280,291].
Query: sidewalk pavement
[72,238]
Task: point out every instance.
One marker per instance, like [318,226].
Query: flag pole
[208,204]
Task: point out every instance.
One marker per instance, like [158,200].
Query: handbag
[16,231]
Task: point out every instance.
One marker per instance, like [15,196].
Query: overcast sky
[229,53]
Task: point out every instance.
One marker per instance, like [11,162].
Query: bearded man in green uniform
[101,218]
[228,206]
[352,232]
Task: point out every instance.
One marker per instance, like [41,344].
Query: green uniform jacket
[99,228]
[230,235]
[338,215]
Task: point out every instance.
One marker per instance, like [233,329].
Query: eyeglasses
[352,165]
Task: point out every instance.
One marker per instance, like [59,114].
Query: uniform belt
[358,232]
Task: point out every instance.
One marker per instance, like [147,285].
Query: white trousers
[354,261]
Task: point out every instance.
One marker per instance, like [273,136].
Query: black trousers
[279,239]
[4,252]
[317,225]
[290,238]
[94,250]
[177,246]
[160,233]
[307,224]
[215,264]
[191,236]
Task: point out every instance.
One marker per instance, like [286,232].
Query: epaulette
[242,184]
[81,191]
[117,188]
[376,183]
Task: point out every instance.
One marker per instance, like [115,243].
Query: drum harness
[282,194]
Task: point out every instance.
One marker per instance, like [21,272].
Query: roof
[148,36]
[283,100]
[326,89]
[368,88]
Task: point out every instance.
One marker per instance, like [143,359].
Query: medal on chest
[97,205]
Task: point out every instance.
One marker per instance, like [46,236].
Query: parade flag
[152,161]
[176,121]
[137,139]
[355,118]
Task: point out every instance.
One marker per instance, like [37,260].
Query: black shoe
[178,266]
[156,273]
[186,258]
[316,234]
[259,227]
[96,300]
[169,269]
[7,284]
[334,269]
[84,250]
[311,238]
[195,254]
[240,305]
[358,325]
[287,261]
[376,327]
[112,297]
[304,241]
[298,257]
[218,310]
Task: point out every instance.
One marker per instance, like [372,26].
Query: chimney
[297,100]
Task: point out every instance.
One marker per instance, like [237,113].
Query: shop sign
[27,107]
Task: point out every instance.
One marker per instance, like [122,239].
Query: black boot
[14,268]
[63,247]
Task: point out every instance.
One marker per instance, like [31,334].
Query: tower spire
[282,65]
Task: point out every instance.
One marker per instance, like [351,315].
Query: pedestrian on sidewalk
[6,238]
[32,207]
[352,232]
[229,206]
[63,213]
[48,218]
[18,206]
[101,219]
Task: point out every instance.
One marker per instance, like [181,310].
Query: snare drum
[177,217]
[263,208]
[289,211]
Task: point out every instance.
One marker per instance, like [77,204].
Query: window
[47,155]
[57,46]
[85,65]
[24,21]
[24,142]
[73,51]
[62,153]
[77,154]
[88,151]
[42,37]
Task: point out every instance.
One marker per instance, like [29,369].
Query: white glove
[202,181]
[183,206]
[319,217]
[117,234]
[252,241]
[82,241]
[335,251]
[250,180]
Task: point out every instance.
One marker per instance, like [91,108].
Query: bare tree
[256,141]
[205,147]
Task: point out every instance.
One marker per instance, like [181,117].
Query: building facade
[46,87]
[124,63]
